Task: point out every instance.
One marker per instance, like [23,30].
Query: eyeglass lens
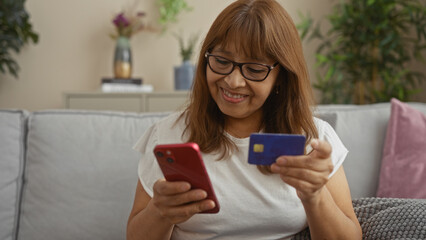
[251,71]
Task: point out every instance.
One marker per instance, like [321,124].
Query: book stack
[125,85]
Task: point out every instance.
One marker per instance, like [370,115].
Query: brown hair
[262,28]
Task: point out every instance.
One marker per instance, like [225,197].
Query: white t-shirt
[253,205]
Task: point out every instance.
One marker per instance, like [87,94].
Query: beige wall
[75,52]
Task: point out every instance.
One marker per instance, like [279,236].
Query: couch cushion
[403,169]
[12,150]
[81,174]
[363,130]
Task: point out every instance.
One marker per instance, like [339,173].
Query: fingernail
[207,205]
[281,160]
[202,195]
[275,168]
[185,187]
[210,205]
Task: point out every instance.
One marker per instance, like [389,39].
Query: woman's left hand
[308,174]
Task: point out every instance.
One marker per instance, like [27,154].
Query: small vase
[184,75]
[123,58]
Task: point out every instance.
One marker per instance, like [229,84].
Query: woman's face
[236,96]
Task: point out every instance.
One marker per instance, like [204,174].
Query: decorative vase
[184,75]
[123,58]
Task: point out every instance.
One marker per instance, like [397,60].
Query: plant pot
[123,58]
[184,75]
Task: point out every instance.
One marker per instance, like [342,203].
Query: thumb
[321,148]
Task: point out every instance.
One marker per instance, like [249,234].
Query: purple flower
[129,23]
[121,21]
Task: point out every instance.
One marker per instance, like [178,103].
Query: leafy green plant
[364,56]
[15,31]
[170,9]
[186,50]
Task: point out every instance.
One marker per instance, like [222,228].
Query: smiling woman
[251,77]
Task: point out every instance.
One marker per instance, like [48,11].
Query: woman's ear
[277,88]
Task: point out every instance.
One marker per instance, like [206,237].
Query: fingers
[170,188]
[176,202]
[305,162]
[176,193]
[301,185]
[185,198]
[187,211]
[322,149]
[308,174]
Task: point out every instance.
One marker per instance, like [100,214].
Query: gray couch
[68,174]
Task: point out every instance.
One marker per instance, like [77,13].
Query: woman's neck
[242,128]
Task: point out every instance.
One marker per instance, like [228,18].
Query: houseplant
[15,31]
[184,73]
[169,10]
[365,55]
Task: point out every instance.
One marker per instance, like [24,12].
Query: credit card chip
[257,147]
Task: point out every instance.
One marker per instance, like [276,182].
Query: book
[125,85]
[107,87]
[136,81]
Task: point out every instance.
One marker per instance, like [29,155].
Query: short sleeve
[148,170]
[339,151]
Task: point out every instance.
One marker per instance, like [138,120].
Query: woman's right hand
[176,202]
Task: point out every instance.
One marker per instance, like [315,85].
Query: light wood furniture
[128,102]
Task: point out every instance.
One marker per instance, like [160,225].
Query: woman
[251,77]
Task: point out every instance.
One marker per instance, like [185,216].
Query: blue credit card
[265,148]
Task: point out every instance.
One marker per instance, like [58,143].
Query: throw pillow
[403,169]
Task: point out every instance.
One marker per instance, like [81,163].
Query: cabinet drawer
[127,104]
[164,103]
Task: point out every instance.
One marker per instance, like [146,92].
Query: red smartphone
[183,162]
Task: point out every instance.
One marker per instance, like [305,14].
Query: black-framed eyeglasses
[256,72]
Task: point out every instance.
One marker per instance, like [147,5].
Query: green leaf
[15,32]
[169,11]
[321,59]
[366,38]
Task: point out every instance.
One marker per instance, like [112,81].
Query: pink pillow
[403,169]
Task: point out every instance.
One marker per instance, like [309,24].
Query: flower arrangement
[129,22]
[128,25]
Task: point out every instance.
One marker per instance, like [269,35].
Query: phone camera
[170,160]
[160,154]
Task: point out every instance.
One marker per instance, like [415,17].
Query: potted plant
[365,55]
[15,31]
[184,73]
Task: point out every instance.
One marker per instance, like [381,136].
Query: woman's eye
[256,70]
[222,61]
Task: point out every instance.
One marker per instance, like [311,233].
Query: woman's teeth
[228,94]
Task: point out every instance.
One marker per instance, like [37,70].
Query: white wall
[75,51]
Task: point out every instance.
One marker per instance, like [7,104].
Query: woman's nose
[235,79]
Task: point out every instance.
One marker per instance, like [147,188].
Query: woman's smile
[233,97]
